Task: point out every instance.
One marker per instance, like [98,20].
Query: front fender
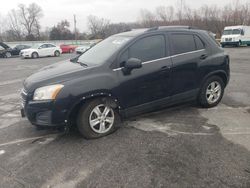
[106,95]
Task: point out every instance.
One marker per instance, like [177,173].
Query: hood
[53,74]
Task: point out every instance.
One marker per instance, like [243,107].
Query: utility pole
[75,26]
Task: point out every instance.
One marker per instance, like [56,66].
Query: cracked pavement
[181,146]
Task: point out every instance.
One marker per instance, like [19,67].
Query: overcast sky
[114,10]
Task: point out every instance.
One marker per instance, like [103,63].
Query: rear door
[150,82]
[50,49]
[188,50]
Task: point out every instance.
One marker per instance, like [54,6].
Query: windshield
[103,50]
[232,32]
[236,32]
[227,32]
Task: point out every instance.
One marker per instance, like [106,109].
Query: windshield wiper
[82,64]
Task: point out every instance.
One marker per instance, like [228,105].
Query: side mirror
[242,32]
[132,63]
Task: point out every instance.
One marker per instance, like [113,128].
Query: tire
[211,92]
[56,53]
[34,55]
[7,54]
[89,111]
[223,46]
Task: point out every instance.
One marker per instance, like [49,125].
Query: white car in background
[41,50]
[83,48]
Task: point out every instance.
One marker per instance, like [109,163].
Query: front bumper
[25,55]
[229,43]
[43,113]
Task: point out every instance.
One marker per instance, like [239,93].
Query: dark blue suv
[126,74]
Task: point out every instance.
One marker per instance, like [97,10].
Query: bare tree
[14,25]
[98,26]
[180,8]
[29,17]
[166,14]
[147,18]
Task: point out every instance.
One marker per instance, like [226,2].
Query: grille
[228,39]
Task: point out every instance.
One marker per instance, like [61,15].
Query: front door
[151,82]
[42,50]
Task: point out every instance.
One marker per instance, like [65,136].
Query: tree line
[23,23]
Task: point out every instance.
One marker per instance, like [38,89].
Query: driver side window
[145,49]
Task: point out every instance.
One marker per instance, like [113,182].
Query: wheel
[34,55]
[57,53]
[211,92]
[97,119]
[7,54]
[223,46]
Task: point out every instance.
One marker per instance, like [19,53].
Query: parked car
[67,48]
[127,74]
[5,50]
[83,48]
[17,49]
[41,50]
[236,36]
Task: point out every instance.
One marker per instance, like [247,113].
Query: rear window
[183,43]
[199,43]
[213,39]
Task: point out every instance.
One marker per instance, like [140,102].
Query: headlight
[47,92]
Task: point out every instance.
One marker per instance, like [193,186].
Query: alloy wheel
[213,92]
[101,119]
[8,54]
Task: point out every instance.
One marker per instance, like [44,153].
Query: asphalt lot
[182,146]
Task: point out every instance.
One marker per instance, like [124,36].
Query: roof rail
[170,27]
[152,29]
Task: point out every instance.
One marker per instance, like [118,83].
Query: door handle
[165,68]
[203,56]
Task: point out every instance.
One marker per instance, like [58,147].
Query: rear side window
[50,46]
[199,43]
[183,43]
[148,48]
[43,46]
